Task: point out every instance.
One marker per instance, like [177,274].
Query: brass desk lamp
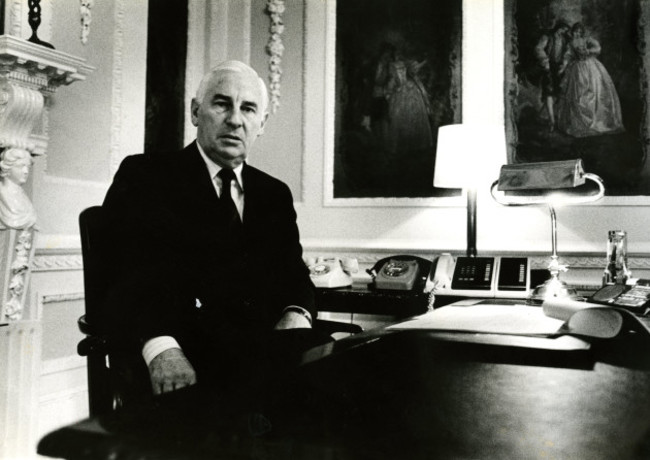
[551,183]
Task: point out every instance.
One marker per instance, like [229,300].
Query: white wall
[582,229]
[433,225]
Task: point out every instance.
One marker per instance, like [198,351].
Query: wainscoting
[56,301]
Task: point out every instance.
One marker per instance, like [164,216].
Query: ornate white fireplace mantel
[29,76]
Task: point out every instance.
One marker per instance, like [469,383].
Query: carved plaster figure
[16,209]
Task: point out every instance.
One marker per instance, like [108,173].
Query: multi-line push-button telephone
[494,276]
[505,277]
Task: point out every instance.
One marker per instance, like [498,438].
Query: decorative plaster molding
[29,75]
[20,109]
[17,254]
[38,62]
[57,262]
[275,49]
[85,11]
[370,256]
[116,154]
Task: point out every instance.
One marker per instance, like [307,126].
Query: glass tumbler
[616,271]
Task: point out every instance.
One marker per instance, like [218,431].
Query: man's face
[229,117]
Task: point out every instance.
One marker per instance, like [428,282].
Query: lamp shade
[469,154]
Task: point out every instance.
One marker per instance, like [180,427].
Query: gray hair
[236,67]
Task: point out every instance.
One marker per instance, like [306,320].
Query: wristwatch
[300,311]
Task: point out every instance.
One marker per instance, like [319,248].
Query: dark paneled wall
[166,53]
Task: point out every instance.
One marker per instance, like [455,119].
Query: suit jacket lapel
[197,177]
[198,198]
[251,197]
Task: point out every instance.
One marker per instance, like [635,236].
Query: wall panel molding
[116,153]
[305,106]
[68,182]
[20,358]
[55,366]
[61,298]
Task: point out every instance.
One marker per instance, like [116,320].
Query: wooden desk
[408,394]
[371,301]
[417,397]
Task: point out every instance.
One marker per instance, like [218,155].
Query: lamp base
[554,288]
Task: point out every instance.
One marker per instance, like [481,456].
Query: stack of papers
[559,324]
[472,316]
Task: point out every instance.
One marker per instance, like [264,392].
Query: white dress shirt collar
[214,168]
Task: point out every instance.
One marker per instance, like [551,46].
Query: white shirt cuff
[153,347]
[301,310]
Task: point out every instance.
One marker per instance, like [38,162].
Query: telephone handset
[400,273]
[504,277]
[634,297]
[332,272]
[442,271]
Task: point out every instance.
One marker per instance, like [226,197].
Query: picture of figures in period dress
[574,81]
[398,79]
[589,104]
[400,111]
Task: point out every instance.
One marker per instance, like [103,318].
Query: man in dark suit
[209,277]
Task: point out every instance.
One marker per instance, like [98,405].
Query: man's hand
[292,320]
[170,371]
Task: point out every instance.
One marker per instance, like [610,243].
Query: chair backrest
[114,376]
[92,229]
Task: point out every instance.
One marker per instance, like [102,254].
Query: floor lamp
[468,156]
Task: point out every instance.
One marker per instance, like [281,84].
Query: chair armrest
[85,327]
[93,344]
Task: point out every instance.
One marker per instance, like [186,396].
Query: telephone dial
[401,273]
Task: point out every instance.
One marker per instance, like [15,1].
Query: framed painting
[576,86]
[397,79]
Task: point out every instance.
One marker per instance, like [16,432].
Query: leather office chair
[117,375]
